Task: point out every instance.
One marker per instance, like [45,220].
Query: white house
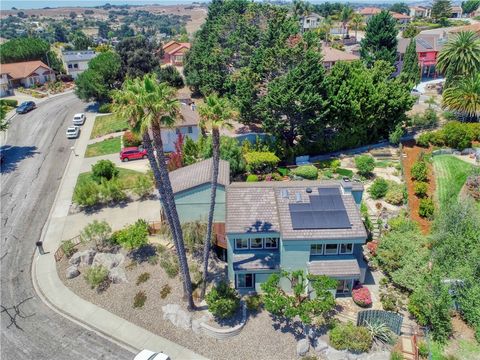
[25,74]
[187,126]
[310,21]
[76,62]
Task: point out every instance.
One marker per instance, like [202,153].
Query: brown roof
[261,207]
[425,43]
[332,55]
[173,46]
[335,267]
[188,116]
[399,16]
[370,11]
[21,70]
[197,174]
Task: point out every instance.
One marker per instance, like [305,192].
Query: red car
[133,153]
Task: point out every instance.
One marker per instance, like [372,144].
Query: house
[401,18]
[456,12]
[369,12]
[420,11]
[313,226]
[26,74]
[173,52]
[186,126]
[76,62]
[331,56]
[310,22]
[5,87]
[428,47]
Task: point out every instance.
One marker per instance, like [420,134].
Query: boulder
[107,260]
[332,354]
[117,275]
[177,316]
[83,258]
[72,272]
[302,347]
[377,355]
[321,345]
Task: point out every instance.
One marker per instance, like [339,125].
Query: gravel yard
[259,339]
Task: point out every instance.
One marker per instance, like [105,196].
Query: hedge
[454,134]
[9,102]
[261,161]
[309,172]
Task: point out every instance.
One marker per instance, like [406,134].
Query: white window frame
[347,252]
[271,247]
[316,253]
[256,248]
[241,248]
[245,281]
[325,249]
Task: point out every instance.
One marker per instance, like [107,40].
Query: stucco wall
[169,136]
[194,204]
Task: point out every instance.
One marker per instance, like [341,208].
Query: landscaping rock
[83,258]
[108,261]
[378,355]
[177,316]
[321,345]
[302,347]
[72,272]
[117,275]
[332,354]
[196,327]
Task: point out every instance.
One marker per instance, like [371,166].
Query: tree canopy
[411,69]
[400,7]
[441,9]
[138,55]
[470,6]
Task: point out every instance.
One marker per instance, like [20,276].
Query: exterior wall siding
[194,204]
[170,136]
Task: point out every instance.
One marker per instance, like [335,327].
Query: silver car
[73,132]
[79,119]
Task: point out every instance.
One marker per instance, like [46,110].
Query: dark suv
[25,107]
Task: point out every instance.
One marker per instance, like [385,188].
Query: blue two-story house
[315,226]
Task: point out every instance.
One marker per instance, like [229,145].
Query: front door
[342,287]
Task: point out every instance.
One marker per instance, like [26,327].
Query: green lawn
[107,124]
[105,147]
[126,177]
[450,176]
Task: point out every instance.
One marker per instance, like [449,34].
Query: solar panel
[329,191]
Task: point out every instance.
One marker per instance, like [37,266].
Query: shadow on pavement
[13,155]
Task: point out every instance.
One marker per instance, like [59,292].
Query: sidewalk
[56,295]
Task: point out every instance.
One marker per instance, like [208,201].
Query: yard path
[137,165]
[105,137]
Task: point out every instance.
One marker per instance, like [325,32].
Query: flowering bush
[361,296]
[372,247]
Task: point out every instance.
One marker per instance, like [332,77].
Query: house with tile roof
[369,12]
[428,48]
[422,12]
[332,55]
[313,226]
[76,62]
[174,52]
[25,74]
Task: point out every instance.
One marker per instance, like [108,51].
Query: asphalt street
[35,153]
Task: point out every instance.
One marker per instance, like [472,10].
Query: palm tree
[356,20]
[345,17]
[325,27]
[215,114]
[464,96]
[460,56]
[148,106]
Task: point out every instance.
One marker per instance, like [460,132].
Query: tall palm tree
[345,16]
[464,96]
[357,20]
[460,56]
[215,114]
[148,106]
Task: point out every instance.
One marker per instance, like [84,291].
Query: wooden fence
[59,253]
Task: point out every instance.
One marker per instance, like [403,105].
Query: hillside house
[369,12]
[25,74]
[310,22]
[332,56]
[456,12]
[188,125]
[420,12]
[313,226]
[428,47]
[76,62]
[174,52]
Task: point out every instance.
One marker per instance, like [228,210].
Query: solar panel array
[324,211]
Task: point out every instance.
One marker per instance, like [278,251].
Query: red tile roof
[370,11]
[173,46]
[399,16]
[21,70]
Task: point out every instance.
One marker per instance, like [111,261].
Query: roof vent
[308,190]
[298,197]
[284,193]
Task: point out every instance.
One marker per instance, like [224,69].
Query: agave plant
[380,332]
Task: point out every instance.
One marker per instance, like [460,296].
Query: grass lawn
[107,124]
[450,176]
[126,177]
[105,147]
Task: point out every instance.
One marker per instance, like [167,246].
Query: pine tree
[380,42]
[441,9]
[411,69]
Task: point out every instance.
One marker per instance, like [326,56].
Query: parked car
[79,119]
[151,355]
[73,132]
[133,153]
[25,107]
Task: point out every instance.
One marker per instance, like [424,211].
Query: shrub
[139,299]
[105,109]
[254,302]
[395,355]
[350,337]
[344,172]
[261,161]
[111,191]
[426,208]
[9,102]
[170,264]
[423,349]
[309,172]
[379,188]
[419,171]
[436,138]
[143,277]
[423,140]
[95,275]
[457,135]
[395,194]
[153,260]
[133,236]
[170,75]
[420,188]
[104,169]
[87,193]
[68,248]
[166,289]
[380,332]
[98,232]
[143,186]
[223,301]
[131,139]
[361,296]
[365,164]
[283,171]
[389,301]
[396,135]
[252,178]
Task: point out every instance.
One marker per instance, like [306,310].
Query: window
[245,280]
[241,243]
[75,66]
[70,66]
[346,248]
[190,130]
[316,249]
[331,249]
[271,243]
[177,131]
[256,243]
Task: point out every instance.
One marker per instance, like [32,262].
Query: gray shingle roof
[262,207]
[197,174]
[335,267]
[261,260]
